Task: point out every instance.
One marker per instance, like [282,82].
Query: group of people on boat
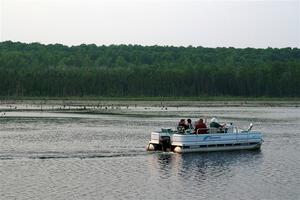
[200,127]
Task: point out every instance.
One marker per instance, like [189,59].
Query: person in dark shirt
[189,124]
[200,127]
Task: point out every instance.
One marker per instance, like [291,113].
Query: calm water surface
[102,156]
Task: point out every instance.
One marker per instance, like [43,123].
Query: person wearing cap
[214,124]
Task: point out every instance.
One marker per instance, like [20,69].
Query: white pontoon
[233,139]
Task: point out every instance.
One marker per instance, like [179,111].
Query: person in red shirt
[200,127]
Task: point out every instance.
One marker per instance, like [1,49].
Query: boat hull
[192,149]
[185,143]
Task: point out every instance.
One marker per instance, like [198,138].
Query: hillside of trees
[131,70]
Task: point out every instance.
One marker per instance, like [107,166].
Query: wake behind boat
[207,139]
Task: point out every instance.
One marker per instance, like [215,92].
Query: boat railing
[202,131]
[210,130]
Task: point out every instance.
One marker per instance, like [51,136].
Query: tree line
[56,70]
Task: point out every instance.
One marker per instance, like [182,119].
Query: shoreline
[81,105]
[145,98]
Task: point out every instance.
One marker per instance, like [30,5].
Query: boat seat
[213,130]
[202,131]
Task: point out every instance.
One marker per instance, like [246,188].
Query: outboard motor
[165,143]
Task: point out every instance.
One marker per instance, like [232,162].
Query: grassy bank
[143,98]
[89,103]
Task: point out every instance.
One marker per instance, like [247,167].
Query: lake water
[102,156]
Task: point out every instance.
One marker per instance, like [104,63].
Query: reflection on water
[84,156]
[202,174]
[201,166]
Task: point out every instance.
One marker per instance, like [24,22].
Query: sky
[207,23]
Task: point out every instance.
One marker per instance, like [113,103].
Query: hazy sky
[208,23]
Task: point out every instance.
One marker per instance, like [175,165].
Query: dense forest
[132,70]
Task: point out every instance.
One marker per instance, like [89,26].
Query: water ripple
[77,156]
